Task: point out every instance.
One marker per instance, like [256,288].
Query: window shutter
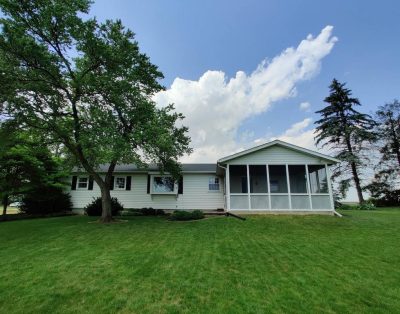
[148,184]
[180,185]
[90,187]
[128,183]
[73,184]
[112,183]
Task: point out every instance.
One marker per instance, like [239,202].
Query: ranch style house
[276,177]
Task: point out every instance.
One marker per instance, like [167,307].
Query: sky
[246,72]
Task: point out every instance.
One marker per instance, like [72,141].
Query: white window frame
[87,183]
[214,178]
[175,190]
[116,187]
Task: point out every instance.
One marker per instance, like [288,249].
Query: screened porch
[278,187]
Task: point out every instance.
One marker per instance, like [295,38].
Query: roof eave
[282,143]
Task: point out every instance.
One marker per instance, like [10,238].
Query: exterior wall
[195,194]
[277,155]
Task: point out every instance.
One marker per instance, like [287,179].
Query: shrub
[94,208]
[149,211]
[366,206]
[344,207]
[390,198]
[46,201]
[184,215]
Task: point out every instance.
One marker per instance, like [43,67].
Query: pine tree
[386,182]
[346,131]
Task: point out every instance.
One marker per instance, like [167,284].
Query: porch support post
[308,186]
[248,186]
[269,188]
[288,186]
[228,189]
[328,176]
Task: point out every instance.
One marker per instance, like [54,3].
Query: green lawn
[151,265]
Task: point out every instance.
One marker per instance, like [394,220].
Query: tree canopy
[26,164]
[347,131]
[86,84]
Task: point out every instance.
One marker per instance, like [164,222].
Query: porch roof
[283,144]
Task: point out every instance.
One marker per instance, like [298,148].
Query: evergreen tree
[386,183]
[26,164]
[346,131]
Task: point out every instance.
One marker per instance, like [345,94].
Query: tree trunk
[356,178]
[357,183]
[106,213]
[5,205]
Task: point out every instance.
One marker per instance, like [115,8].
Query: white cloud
[305,106]
[299,134]
[215,106]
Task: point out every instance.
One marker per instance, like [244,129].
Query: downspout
[337,214]
[225,204]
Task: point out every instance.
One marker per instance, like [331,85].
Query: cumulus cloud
[305,106]
[299,134]
[215,106]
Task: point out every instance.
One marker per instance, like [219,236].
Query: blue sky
[187,38]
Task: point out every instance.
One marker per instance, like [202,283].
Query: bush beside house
[95,207]
[44,201]
[181,215]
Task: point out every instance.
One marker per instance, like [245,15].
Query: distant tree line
[367,146]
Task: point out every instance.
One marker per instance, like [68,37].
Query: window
[83,183]
[213,184]
[163,184]
[119,183]
[318,179]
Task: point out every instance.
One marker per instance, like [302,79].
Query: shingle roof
[208,168]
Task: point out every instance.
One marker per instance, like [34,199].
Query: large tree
[87,85]
[26,164]
[346,131]
[387,177]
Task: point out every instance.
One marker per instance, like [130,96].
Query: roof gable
[279,143]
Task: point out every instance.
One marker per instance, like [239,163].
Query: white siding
[195,194]
[275,154]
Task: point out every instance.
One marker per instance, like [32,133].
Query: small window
[83,183]
[119,183]
[213,184]
[163,184]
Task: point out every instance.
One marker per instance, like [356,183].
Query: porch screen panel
[239,202]
[318,178]
[300,202]
[258,179]
[259,201]
[279,202]
[321,202]
[298,179]
[238,178]
[277,179]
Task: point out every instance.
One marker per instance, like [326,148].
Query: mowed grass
[291,264]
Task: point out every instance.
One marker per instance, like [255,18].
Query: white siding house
[275,177]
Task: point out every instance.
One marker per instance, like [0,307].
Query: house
[275,177]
